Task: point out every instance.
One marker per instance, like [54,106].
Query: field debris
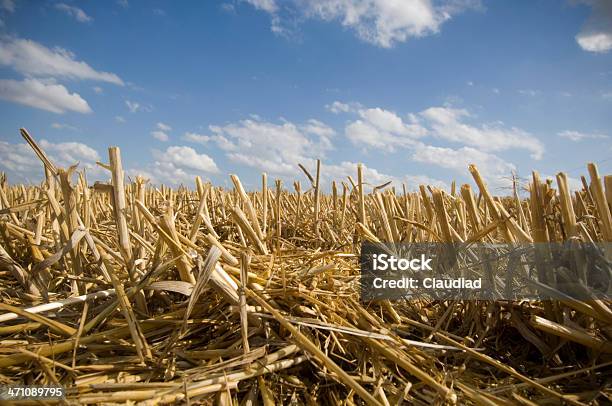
[123,292]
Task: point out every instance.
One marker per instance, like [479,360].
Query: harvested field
[123,292]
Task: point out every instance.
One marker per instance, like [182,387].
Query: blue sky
[414,90]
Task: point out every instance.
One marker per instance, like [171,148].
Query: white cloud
[19,159]
[41,94]
[343,170]
[316,127]
[21,162]
[595,41]
[132,106]
[120,119]
[380,22]
[446,123]
[197,138]
[68,153]
[177,164]
[160,135]
[75,12]
[579,136]
[98,90]
[123,3]
[187,157]
[492,167]
[388,121]
[228,7]
[383,129]
[33,59]
[274,166]
[459,159]
[338,107]
[63,126]
[413,182]
[164,127]
[270,147]
[371,176]
[8,5]
[135,107]
[265,5]
[596,34]
[222,142]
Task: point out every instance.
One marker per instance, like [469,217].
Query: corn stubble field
[123,292]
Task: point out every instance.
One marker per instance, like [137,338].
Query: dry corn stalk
[298,333]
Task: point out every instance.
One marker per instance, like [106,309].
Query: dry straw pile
[123,292]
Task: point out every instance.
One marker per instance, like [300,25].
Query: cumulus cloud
[271,147]
[21,162]
[177,164]
[579,136]
[494,169]
[161,132]
[383,129]
[74,12]
[120,119]
[596,34]
[459,159]
[379,22]
[188,158]
[197,138]
[68,153]
[43,94]
[338,107]
[372,177]
[278,148]
[33,59]
[380,129]
[447,123]
[319,128]
[163,127]
[18,158]
[265,5]
[63,126]
[595,41]
[160,135]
